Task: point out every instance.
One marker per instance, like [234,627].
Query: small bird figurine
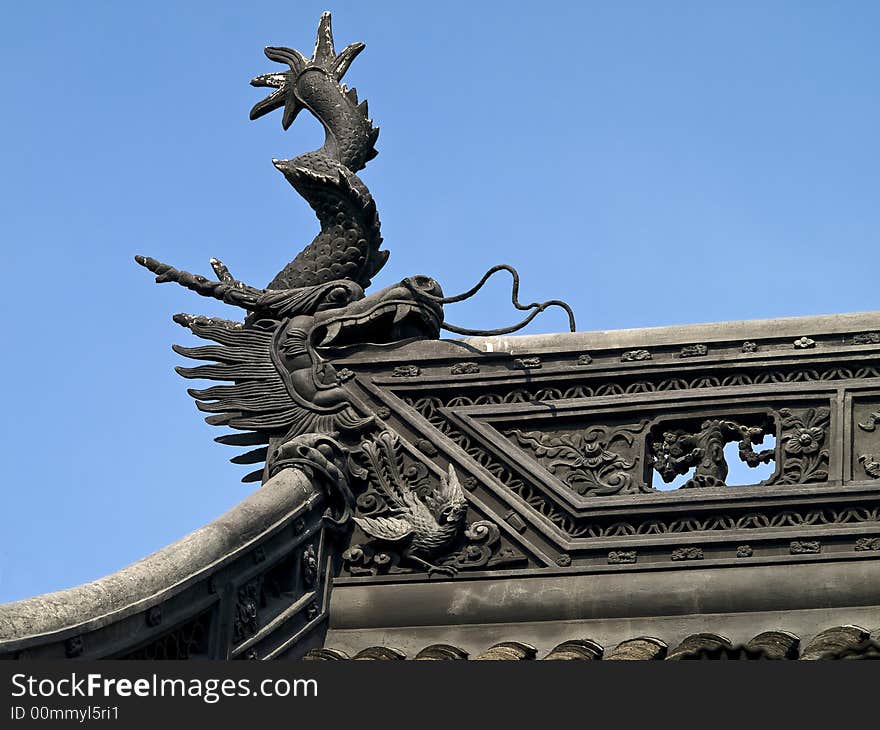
[423,527]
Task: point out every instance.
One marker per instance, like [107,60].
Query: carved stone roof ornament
[521,476]
[282,384]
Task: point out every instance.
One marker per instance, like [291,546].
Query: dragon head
[403,311]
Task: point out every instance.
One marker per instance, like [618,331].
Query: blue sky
[651,163]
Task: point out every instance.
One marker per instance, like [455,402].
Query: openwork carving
[414,520]
[591,461]
[679,450]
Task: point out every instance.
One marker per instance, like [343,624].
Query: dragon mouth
[383,322]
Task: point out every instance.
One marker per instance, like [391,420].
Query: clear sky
[652,163]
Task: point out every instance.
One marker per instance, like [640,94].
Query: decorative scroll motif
[621,557]
[414,520]
[870,464]
[589,461]
[309,566]
[694,351]
[574,527]
[805,547]
[867,338]
[185,642]
[679,450]
[527,363]
[635,355]
[871,422]
[464,368]
[805,446]
[865,544]
[687,553]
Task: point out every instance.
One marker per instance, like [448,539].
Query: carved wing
[390,529]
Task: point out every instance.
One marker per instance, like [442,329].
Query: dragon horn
[228,290]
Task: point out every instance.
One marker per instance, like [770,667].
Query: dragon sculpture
[278,381]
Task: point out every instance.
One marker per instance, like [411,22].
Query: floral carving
[804,343]
[804,445]
[744,551]
[587,460]
[749,347]
[584,359]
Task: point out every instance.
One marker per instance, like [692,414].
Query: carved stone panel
[593,460]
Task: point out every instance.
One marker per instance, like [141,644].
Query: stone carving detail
[870,464]
[153,617]
[184,642]
[804,343]
[867,338]
[309,566]
[527,363]
[464,368]
[621,557]
[593,461]
[694,351]
[871,422]
[681,449]
[245,621]
[865,544]
[749,347]
[804,444]
[584,359]
[73,647]
[804,547]
[744,551]
[635,355]
[406,371]
[687,553]
[414,520]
